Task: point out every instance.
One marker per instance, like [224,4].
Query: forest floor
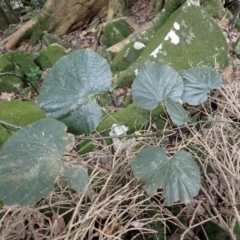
[116,204]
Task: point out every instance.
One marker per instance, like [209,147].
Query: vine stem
[9,124]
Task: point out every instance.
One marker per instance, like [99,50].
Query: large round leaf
[29,161]
[84,120]
[176,112]
[197,83]
[180,175]
[183,179]
[77,177]
[71,82]
[154,83]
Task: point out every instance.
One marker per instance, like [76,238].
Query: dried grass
[115,205]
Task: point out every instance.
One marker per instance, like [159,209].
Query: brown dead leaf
[112,228]
[227,72]
[58,224]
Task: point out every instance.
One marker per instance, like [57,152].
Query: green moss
[5,65]
[37,31]
[193,49]
[87,146]
[237,230]
[18,113]
[10,84]
[215,232]
[128,100]
[133,117]
[126,77]
[115,32]
[16,61]
[4,135]
[1,204]
[47,57]
[214,8]
[125,58]
[107,55]
[50,38]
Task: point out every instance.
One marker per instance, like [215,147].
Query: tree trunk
[60,17]
[7,15]
[63,16]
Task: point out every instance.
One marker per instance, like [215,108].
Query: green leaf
[180,175]
[154,83]
[86,119]
[68,87]
[31,75]
[77,177]
[176,112]
[30,161]
[198,82]
[194,119]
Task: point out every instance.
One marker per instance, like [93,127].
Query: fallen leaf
[58,224]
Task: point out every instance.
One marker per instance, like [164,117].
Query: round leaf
[72,81]
[29,161]
[154,83]
[151,165]
[198,82]
[176,112]
[84,119]
[77,177]
[183,178]
[180,175]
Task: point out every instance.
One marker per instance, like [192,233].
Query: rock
[12,64]
[115,32]
[50,38]
[18,61]
[236,48]
[214,8]
[47,57]
[20,113]
[125,58]
[189,38]
[132,117]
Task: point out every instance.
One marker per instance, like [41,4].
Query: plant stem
[9,124]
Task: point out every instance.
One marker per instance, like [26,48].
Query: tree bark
[60,17]
[7,15]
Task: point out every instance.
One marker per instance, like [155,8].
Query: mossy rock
[20,113]
[16,61]
[115,32]
[126,57]
[214,8]
[47,57]
[190,37]
[132,117]
[107,55]
[5,64]
[50,38]
[11,84]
